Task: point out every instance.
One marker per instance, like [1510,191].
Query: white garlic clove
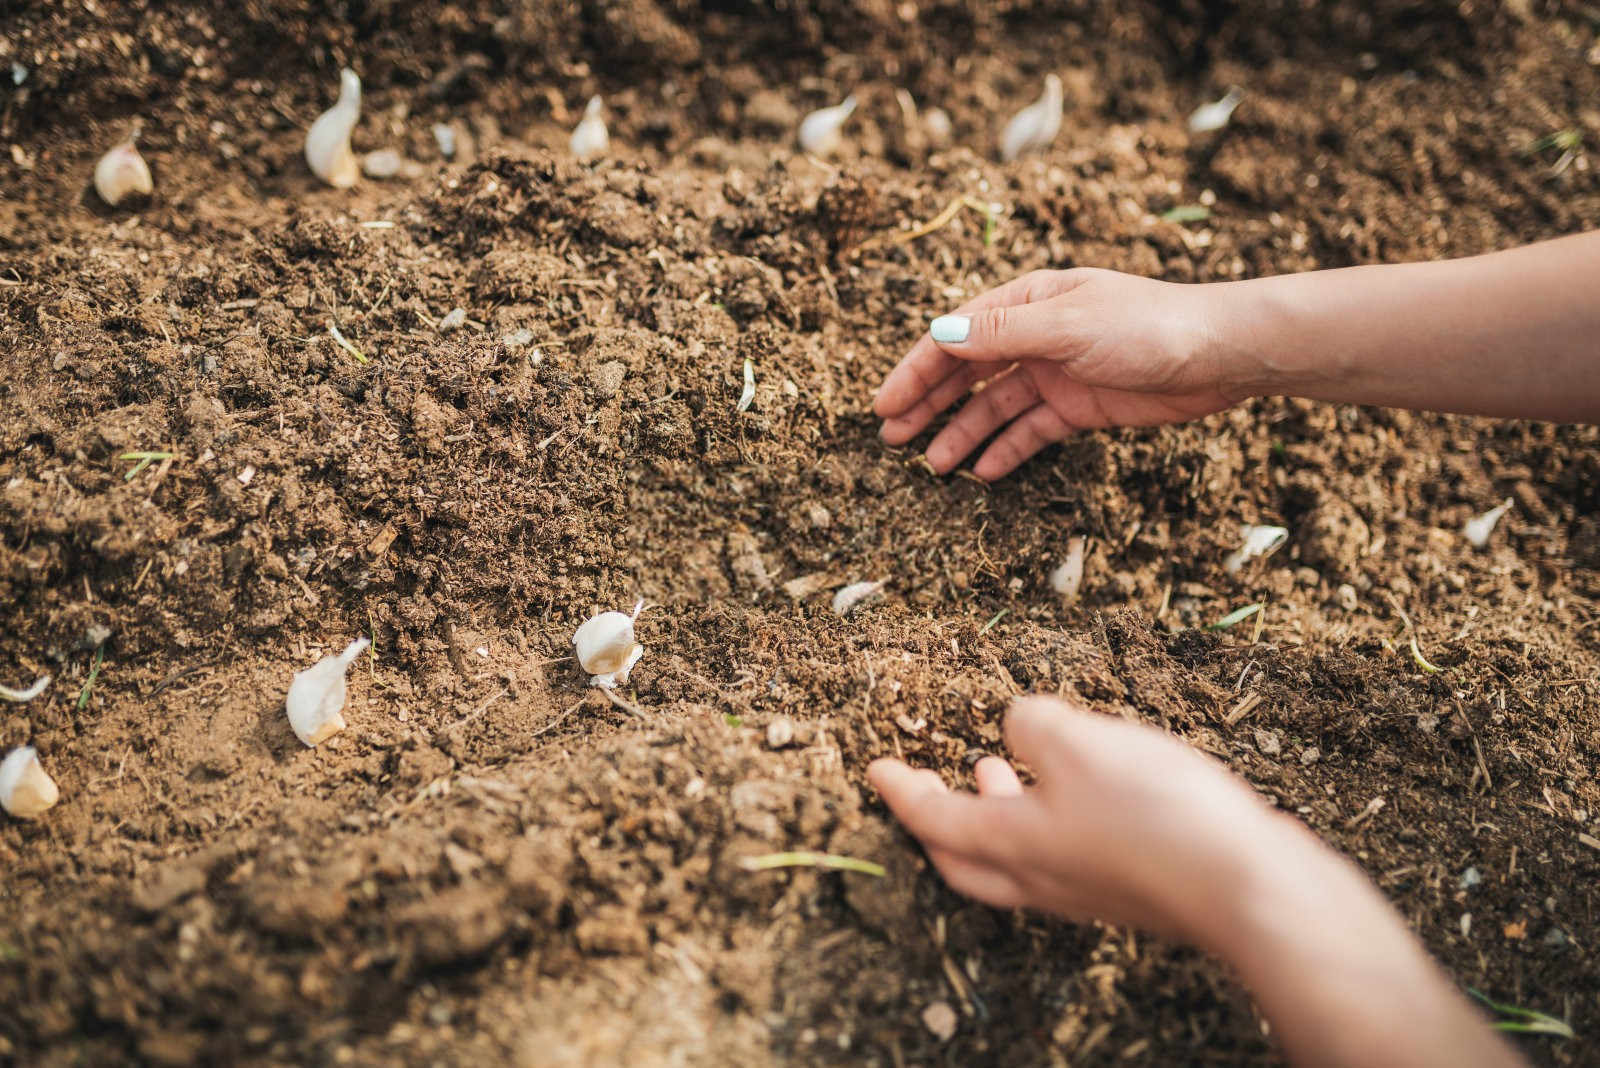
[1477,529]
[122,173]
[1035,126]
[328,141]
[454,319]
[846,600]
[1068,578]
[382,163]
[27,693]
[316,696]
[26,790]
[1258,541]
[606,649]
[589,138]
[820,130]
[936,121]
[1211,117]
[445,137]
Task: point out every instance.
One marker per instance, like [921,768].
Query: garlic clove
[1208,118]
[328,141]
[1477,529]
[27,693]
[445,137]
[1258,541]
[1068,578]
[590,140]
[605,647]
[26,790]
[382,163]
[122,173]
[820,131]
[1035,126]
[316,696]
[846,600]
[936,121]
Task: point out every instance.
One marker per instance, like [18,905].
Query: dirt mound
[495,863]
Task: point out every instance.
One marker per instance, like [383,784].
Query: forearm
[1514,333]
[1339,975]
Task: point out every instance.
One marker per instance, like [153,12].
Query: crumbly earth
[495,863]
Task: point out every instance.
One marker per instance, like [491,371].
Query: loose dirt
[496,864]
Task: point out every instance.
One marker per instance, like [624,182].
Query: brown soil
[496,864]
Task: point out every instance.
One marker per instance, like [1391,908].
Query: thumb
[1040,330]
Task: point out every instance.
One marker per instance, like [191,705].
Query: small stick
[620,703]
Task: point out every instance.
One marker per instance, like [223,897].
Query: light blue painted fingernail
[950,329]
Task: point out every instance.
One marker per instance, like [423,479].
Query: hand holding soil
[1129,825]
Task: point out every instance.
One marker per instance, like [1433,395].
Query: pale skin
[1125,823]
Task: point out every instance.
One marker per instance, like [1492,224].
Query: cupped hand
[1055,352]
[1125,824]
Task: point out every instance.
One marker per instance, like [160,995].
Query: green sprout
[1524,1021]
[808,859]
[998,616]
[94,673]
[1238,615]
[144,459]
[1566,140]
[1187,213]
[732,720]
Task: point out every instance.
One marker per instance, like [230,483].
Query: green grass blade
[1238,615]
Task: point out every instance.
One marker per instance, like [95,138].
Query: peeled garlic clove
[1214,116]
[445,137]
[328,141]
[606,649]
[26,694]
[1258,541]
[1477,529]
[121,173]
[25,789]
[819,131]
[936,121]
[382,163]
[589,138]
[845,601]
[1067,578]
[316,696]
[1035,126]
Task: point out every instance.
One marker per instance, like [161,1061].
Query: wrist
[1253,330]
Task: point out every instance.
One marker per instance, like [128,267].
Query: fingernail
[950,329]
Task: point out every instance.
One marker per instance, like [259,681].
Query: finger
[1004,400]
[1041,330]
[996,778]
[1028,433]
[926,366]
[978,880]
[1038,730]
[975,828]
[902,428]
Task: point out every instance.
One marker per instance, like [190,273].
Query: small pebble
[1347,597]
[1267,743]
[940,1020]
[1310,755]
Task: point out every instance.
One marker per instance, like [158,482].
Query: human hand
[1126,824]
[1058,352]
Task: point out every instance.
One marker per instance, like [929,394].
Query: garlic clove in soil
[382,163]
[26,790]
[328,141]
[846,600]
[27,693]
[936,122]
[820,130]
[606,649]
[589,138]
[122,173]
[1035,126]
[1208,118]
[1068,577]
[316,696]
[1477,529]
[1258,541]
